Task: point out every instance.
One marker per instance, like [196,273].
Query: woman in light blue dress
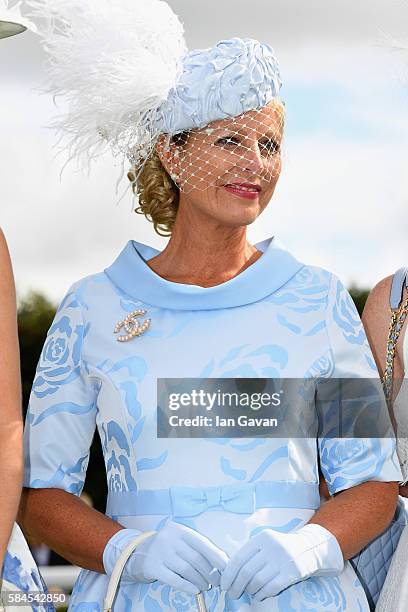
[241,514]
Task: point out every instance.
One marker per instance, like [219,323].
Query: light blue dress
[277,318]
[20,577]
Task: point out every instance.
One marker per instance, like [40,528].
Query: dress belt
[243,498]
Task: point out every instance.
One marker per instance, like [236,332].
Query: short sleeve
[61,416]
[348,461]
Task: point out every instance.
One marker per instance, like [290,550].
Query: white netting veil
[237,152]
[240,157]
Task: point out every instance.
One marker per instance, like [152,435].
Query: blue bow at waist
[242,498]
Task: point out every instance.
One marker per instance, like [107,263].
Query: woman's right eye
[227,140]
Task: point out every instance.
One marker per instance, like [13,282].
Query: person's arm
[356,516]
[271,561]
[11,421]
[376,320]
[67,525]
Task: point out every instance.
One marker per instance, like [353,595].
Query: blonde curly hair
[157,193]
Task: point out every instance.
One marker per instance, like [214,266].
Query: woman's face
[229,169]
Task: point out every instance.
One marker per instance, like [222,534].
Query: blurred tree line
[359,297]
[35,315]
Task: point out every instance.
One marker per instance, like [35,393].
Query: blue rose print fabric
[278,318]
[20,577]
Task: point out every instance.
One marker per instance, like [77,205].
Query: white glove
[272,561]
[176,555]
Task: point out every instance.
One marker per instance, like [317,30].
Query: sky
[341,202]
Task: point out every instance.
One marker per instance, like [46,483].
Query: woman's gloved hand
[272,561]
[176,555]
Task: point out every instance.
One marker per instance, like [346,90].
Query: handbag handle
[399,312]
[118,570]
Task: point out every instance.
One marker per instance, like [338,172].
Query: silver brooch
[132,326]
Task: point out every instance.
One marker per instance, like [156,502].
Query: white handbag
[118,569]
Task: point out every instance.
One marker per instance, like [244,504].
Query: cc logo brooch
[132,326]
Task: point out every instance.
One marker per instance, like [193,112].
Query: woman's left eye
[269,145]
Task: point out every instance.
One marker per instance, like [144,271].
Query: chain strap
[398,316]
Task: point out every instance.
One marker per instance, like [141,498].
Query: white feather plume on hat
[114,62]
